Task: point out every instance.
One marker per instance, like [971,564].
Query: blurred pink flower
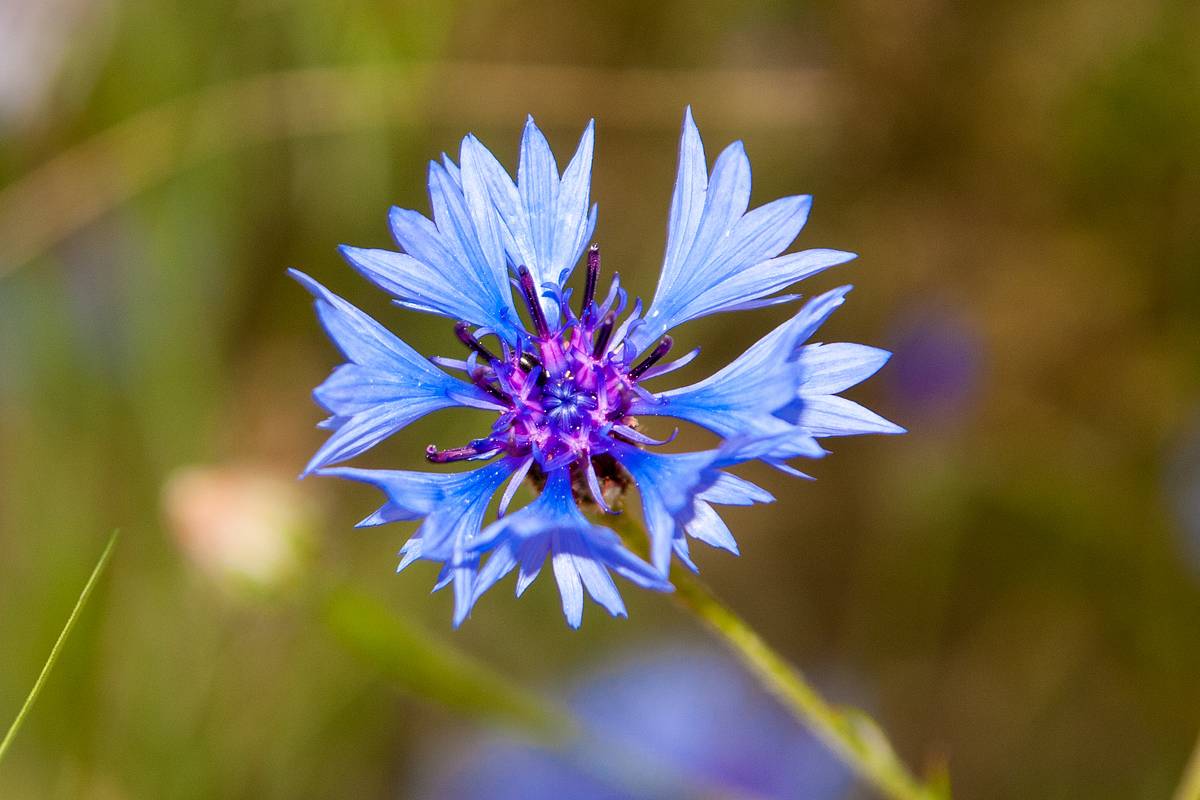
[246,526]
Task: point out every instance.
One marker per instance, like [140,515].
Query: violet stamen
[602,335]
[467,453]
[593,275]
[463,331]
[480,379]
[664,347]
[529,292]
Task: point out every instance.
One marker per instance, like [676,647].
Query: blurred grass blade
[81,184]
[1189,786]
[417,662]
[58,645]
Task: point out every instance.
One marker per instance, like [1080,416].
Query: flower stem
[58,645]
[850,733]
[853,736]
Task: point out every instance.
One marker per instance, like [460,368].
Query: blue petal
[709,528]
[794,442]
[470,228]
[366,429]
[460,575]
[451,504]
[531,557]
[570,588]
[386,386]
[668,484]
[410,551]
[726,201]
[452,169]
[544,220]
[574,222]
[591,571]
[745,288]
[718,257]
[726,490]
[464,587]
[537,182]
[830,415]
[680,547]
[453,266]
[581,553]
[687,201]
[730,490]
[832,368]
[444,579]
[739,400]
[351,388]
[677,490]
[490,180]
[589,227]
[502,561]
[829,368]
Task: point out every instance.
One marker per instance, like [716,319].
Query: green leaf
[419,663]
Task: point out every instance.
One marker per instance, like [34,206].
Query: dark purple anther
[593,275]
[603,333]
[532,302]
[479,378]
[663,348]
[463,331]
[472,450]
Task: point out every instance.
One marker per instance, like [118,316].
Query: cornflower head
[567,389]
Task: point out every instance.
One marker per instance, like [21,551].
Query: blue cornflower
[567,391]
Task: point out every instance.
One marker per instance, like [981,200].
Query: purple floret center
[566,388]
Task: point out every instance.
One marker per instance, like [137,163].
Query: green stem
[851,734]
[58,645]
[1189,786]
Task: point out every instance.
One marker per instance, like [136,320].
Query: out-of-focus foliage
[1016,581]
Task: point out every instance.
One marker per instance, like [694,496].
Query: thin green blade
[97,571]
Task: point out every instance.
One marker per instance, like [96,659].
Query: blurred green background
[1014,586]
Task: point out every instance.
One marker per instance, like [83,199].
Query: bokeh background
[1014,587]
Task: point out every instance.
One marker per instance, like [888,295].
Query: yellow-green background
[1015,584]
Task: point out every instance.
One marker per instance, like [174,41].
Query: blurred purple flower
[940,362]
[1183,490]
[566,391]
[681,723]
